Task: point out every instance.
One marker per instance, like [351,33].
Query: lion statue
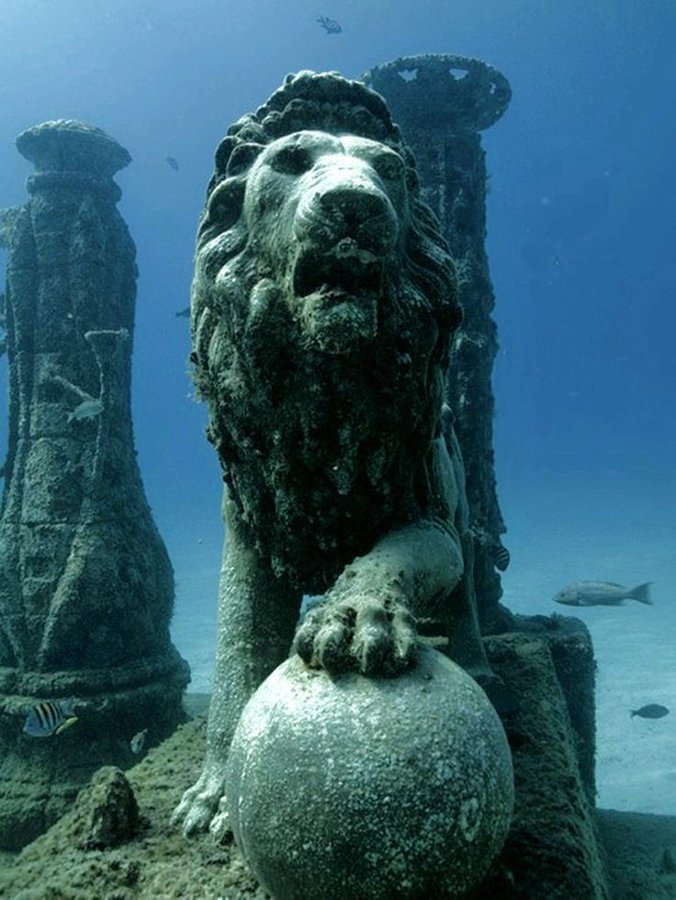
[322,310]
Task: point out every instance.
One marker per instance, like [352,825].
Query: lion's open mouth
[346,273]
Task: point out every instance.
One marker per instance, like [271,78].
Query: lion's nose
[362,213]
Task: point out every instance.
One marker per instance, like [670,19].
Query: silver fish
[88,409]
[602,593]
[50,717]
[137,742]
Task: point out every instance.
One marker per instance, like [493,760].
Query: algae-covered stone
[86,584]
[106,810]
[369,787]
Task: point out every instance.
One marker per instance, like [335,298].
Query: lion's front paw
[200,803]
[375,637]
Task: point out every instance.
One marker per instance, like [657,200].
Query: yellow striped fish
[50,717]
[499,554]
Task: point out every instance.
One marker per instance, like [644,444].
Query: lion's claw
[372,636]
[220,828]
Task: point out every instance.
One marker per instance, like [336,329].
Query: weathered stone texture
[86,585]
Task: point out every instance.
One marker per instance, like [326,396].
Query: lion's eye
[292,160]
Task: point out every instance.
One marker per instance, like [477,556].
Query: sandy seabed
[613,528]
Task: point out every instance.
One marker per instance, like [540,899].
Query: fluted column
[442,103]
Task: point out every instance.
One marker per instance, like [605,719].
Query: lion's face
[325,215]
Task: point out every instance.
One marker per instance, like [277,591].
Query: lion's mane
[320,452]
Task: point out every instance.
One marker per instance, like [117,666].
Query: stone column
[441,103]
[86,585]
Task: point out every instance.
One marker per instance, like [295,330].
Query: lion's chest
[328,464]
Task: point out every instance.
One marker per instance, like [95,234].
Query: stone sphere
[356,787]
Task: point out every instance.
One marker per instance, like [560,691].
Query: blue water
[581,238]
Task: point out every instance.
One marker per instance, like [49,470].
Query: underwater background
[581,241]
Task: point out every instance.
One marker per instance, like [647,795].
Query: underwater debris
[330,26]
[50,717]
[602,593]
[106,811]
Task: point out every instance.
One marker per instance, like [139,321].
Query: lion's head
[322,309]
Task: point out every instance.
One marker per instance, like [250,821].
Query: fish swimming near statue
[330,26]
[172,162]
[602,593]
[50,717]
[183,313]
[88,409]
[650,711]
[137,743]
[499,556]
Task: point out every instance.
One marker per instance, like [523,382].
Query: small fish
[500,556]
[602,593]
[50,717]
[330,26]
[138,741]
[651,711]
[173,163]
[183,313]
[88,409]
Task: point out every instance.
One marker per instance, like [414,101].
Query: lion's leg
[462,622]
[256,621]
[366,620]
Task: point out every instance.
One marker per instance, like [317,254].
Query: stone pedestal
[86,585]
[553,847]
